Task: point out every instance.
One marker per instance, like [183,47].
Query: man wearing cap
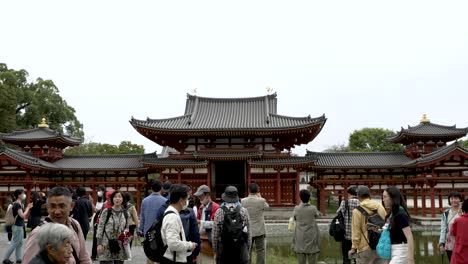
[256,205]
[234,255]
[206,212]
[149,207]
[347,207]
[359,236]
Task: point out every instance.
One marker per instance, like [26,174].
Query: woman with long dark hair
[398,221]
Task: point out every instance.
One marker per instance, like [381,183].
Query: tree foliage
[463,143]
[25,103]
[372,139]
[125,147]
[337,148]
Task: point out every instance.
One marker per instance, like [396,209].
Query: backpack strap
[180,234]
[366,214]
[363,211]
[446,213]
[347,208]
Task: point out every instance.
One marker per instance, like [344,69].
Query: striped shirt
[352,203]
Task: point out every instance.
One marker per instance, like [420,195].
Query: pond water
[425,246]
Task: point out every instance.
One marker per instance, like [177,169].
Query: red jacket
[210,212]
[460,231]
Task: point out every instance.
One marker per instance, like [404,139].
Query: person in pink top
[460,231]
[59,205]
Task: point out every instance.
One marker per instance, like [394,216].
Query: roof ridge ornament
[424,119]
[43,123]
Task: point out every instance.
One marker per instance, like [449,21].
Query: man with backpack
[231,230]
[172,230]
[149,208]
[359,228]
[59,206]
[346,208]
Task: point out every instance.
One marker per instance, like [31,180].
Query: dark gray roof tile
[359,159]
[101,162]
[429,130]
[438,153]
[255,113]
[38,134]
[26,158]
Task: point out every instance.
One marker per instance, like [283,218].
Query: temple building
[236,141]
[425,171]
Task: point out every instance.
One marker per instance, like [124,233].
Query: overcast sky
[361,63]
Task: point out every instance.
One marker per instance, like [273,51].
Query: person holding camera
[113,223]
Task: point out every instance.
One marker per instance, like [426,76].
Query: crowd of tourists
[234,229]
[394,240]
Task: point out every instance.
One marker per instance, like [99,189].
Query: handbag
[292,224]
[114,246]
[384,247]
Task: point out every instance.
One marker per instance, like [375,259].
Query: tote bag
[384,247]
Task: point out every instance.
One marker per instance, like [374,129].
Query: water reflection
[425,248]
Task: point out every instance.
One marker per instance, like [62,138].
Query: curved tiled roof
[168,162]
[428,129]
[38,134]
[360,159]
[228,114]
[438,153]
[307,160]
[101,162]
[26,158]
[227,155]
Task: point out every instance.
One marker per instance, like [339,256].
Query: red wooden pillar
[278,187]
[296,188]
[432,184]
[415,201]
[441,205]
[28,186]
[208,179]
[138,197]
[423,201]
[249,177]
[322,199]
[179,176]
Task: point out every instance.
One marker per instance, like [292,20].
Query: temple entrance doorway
[229,173]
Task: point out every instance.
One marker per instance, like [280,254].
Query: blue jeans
[16,243]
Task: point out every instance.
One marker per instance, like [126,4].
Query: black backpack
[337,227]
[233,237]
[153,244]
[373,222]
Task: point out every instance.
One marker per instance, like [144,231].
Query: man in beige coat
[359,236]
[256,205]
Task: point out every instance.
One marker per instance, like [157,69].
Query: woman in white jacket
[172,231]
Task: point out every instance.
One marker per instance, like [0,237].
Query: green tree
[125,147]
[32,101]
[372,139]
[463,143]
[337,148]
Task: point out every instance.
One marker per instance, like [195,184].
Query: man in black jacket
[82,210]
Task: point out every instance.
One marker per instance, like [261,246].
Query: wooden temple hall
[236,141]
